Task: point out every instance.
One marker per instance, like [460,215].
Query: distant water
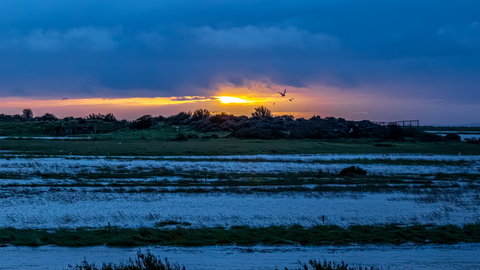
[463,134]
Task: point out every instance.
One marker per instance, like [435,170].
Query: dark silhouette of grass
[148,261]
[137,147]
[144,261]
[315,265]
[244,235]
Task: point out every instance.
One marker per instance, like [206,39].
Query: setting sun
[233,100]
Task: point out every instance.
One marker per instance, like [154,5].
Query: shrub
[143,261]
[181,118]
[472,141]
[262,112]
[181,137]
[314,265]
[200,114]
[192,136]
[143,122]
[353,171]
[48,117]
[27,113]
[453,137]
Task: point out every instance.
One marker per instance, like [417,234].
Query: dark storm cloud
[120,48]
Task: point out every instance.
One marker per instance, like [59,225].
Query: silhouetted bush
[181,137]
[183,118]
[314,265]
[192,136]
[200,114]
[353,171]
[453,137]
[262,112]
[47,117]
[143,261]
[27,114]
[472,141]
[143,122]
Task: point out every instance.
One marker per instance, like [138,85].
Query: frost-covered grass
[52,208]
[98,167]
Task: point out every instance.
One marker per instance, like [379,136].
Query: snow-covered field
[265,164]
[28,206]
[119,200]
[83,207]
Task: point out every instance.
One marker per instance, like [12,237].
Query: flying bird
[290,99]
[64,98]
[273,103]
[284,92]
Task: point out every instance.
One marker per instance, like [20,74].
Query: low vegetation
[230,146]
[261,125]
[144,261]
[244,236]
[148,261]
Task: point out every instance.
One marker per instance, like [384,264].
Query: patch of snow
[35,208]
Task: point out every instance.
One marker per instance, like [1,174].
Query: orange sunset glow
[299,102]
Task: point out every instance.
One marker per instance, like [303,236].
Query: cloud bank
[117,49]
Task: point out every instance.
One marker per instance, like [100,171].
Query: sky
[377,60]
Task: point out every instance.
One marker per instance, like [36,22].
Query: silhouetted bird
[290,99]
[284,92]
[64,98]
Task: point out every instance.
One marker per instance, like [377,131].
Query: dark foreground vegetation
[230,146]
[261,125]
[144,261]
[148,261]
[244,236]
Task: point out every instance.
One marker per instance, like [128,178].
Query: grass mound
[353,171]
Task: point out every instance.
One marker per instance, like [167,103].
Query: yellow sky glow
[31,103]
[226,98]
[230,99]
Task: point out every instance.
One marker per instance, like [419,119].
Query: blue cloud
[429,49]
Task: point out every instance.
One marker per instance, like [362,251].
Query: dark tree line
[261,125]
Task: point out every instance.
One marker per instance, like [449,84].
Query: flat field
[230,146]
[222,192]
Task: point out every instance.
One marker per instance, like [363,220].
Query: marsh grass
[316,265]
[259,184]
[226,146]
[244,236]
[143,261]
[148,261]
